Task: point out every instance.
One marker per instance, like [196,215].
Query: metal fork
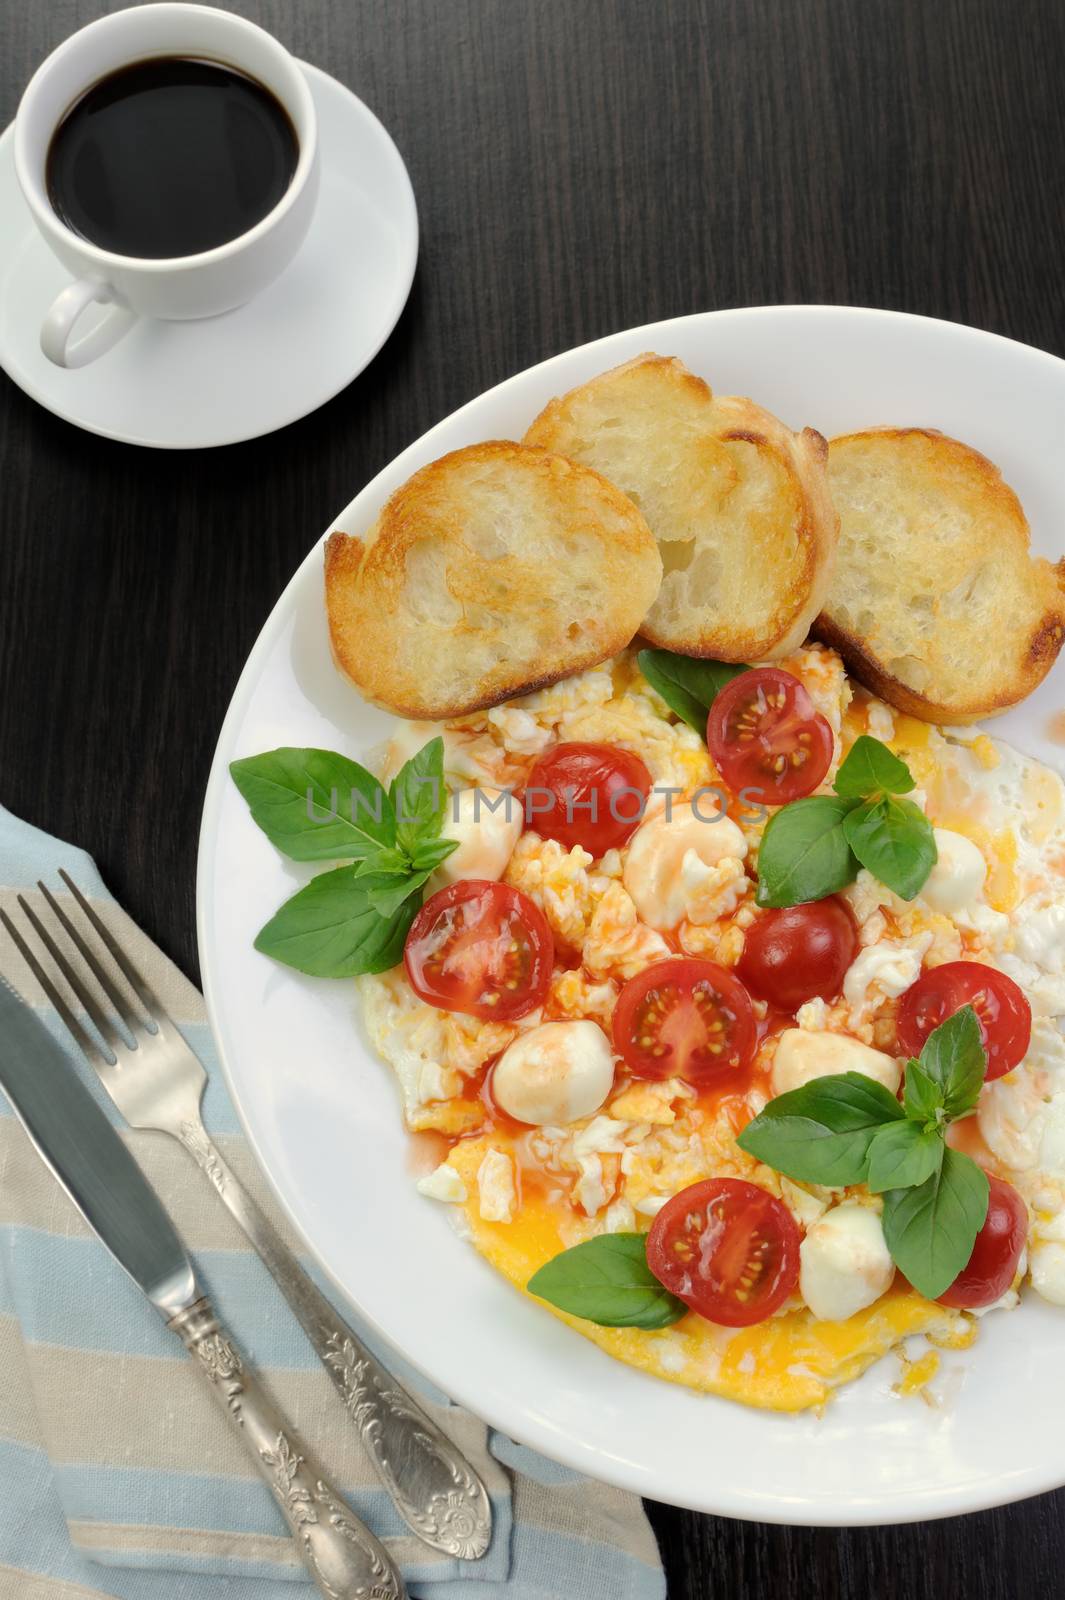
[157,1082]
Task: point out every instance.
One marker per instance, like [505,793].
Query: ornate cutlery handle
[435,1489]
[341,1554]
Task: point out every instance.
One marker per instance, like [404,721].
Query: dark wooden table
[580,166]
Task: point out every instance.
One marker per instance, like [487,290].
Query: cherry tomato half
[799,953]
[589,794]
[1004,1014]
[992,1267]
[766,737]
[728,1249]
[480,947]
[684,1018]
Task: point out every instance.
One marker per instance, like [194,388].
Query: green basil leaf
[931,1230]
[687,685]
[821,1133]
[329,929]
[383,862]
[607,1280]
[391,861]
[955,1060]
[419,796]
[902,1155]
[316,805]
[922,1098]
[430,852]
[894,840]
[387,895]
[804,854]
[871,768]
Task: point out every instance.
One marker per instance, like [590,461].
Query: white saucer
[187,385]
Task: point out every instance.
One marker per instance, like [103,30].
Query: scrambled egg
[526,1193]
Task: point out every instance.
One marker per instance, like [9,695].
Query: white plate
[321,1110]
[187,385]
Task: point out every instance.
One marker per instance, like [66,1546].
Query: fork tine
[146,994]
[101,1023]
[120,1001]
[88,1046]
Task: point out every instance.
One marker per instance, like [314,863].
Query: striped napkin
[119,1480]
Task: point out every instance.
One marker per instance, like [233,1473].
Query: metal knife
[83,1150]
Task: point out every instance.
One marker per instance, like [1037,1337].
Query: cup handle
[63,314]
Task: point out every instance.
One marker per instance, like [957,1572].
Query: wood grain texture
[580,166]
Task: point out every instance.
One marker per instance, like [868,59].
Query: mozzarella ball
[670,863]
[844,1262]
[486,838]
[958,877]
[802,1055]
[556,1073]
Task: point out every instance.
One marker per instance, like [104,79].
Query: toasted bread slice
[738,503]
[936,603]
[491,572]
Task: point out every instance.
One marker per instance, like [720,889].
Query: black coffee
[169,157]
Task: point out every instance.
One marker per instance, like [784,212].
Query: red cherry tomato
[766,737]
[589,794]
[728,1249]
[797,954]
[684,1018]
[480,947]
[1004,1014]
[992,1266]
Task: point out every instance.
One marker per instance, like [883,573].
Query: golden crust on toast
[492,572]
[937,604]
[738,503]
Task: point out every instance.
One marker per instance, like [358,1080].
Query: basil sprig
[687,684]
[607,1280]
[318,805]
[847,1129]
[814,847]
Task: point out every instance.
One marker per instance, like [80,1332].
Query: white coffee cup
[181,287]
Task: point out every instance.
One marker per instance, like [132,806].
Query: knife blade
[87,1155]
